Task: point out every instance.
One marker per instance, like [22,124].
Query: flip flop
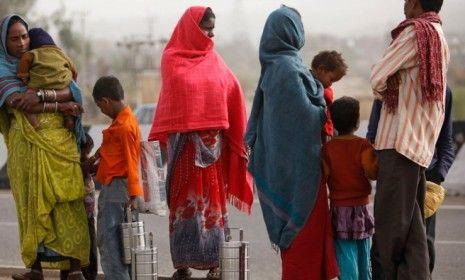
[182,274]
[214,274]
[75,275]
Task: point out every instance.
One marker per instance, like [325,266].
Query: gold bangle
[56,107]
[43,109]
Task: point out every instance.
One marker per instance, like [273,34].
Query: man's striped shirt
[414,127]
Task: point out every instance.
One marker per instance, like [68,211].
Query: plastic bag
[153,176]
[434,197]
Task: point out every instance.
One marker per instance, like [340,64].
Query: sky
[119,19]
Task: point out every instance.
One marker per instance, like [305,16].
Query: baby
[46,67]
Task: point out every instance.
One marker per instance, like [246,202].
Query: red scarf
[199,92]
[429,55]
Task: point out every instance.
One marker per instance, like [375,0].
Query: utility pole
[135,45]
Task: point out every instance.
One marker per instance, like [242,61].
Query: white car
[144,113]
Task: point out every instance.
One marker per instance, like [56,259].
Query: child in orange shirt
[328,67]
[117,172]
[349,162]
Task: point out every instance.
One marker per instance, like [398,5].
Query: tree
[20,7]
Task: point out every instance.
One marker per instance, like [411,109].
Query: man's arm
[401,54]
[374,120]
[444,147]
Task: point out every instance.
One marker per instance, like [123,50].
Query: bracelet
[56,106]
[54,96]
[40,93]
[43,109]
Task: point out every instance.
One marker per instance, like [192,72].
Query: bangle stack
[41,95]
[50,107]
[48,94]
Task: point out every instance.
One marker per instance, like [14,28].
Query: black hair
[431,5]
[16,19]
[88,144]
[330,61]
[108,86]
[345,113]
[207,15]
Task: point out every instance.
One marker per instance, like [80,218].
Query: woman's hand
[22,101]
[70,108]
[12,99]
[26,102]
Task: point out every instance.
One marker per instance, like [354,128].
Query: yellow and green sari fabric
[47,185]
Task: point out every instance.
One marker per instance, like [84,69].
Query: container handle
[228,235]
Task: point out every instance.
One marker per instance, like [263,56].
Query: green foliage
[20,7]
[458,103]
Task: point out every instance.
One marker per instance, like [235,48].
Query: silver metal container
[234,257]
[145,262]
[132,235]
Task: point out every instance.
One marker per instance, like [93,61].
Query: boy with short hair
[117,172]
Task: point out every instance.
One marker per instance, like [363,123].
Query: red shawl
[199,92]
[429,55]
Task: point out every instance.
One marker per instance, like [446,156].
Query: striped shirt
[415,126]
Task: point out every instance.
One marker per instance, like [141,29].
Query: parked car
[144,113]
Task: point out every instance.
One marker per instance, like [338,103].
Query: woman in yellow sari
[43,166]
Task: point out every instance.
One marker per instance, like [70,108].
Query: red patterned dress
[197,199]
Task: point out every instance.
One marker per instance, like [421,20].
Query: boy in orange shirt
[117,172]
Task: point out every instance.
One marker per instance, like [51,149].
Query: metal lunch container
[132,235]
[145,262]
[234,257]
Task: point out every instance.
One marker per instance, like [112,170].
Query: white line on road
[452,207]
[9,224]
[446,242]
[5,194]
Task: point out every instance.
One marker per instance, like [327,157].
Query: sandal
[214,274]
[76,275]
[31,275]
[181,274]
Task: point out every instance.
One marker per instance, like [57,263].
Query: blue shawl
[284,129]
[9,82]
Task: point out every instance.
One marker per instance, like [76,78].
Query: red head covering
[199,92]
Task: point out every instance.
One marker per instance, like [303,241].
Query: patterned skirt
[352,223]
[197,204]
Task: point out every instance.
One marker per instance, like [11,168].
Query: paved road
[265,263]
